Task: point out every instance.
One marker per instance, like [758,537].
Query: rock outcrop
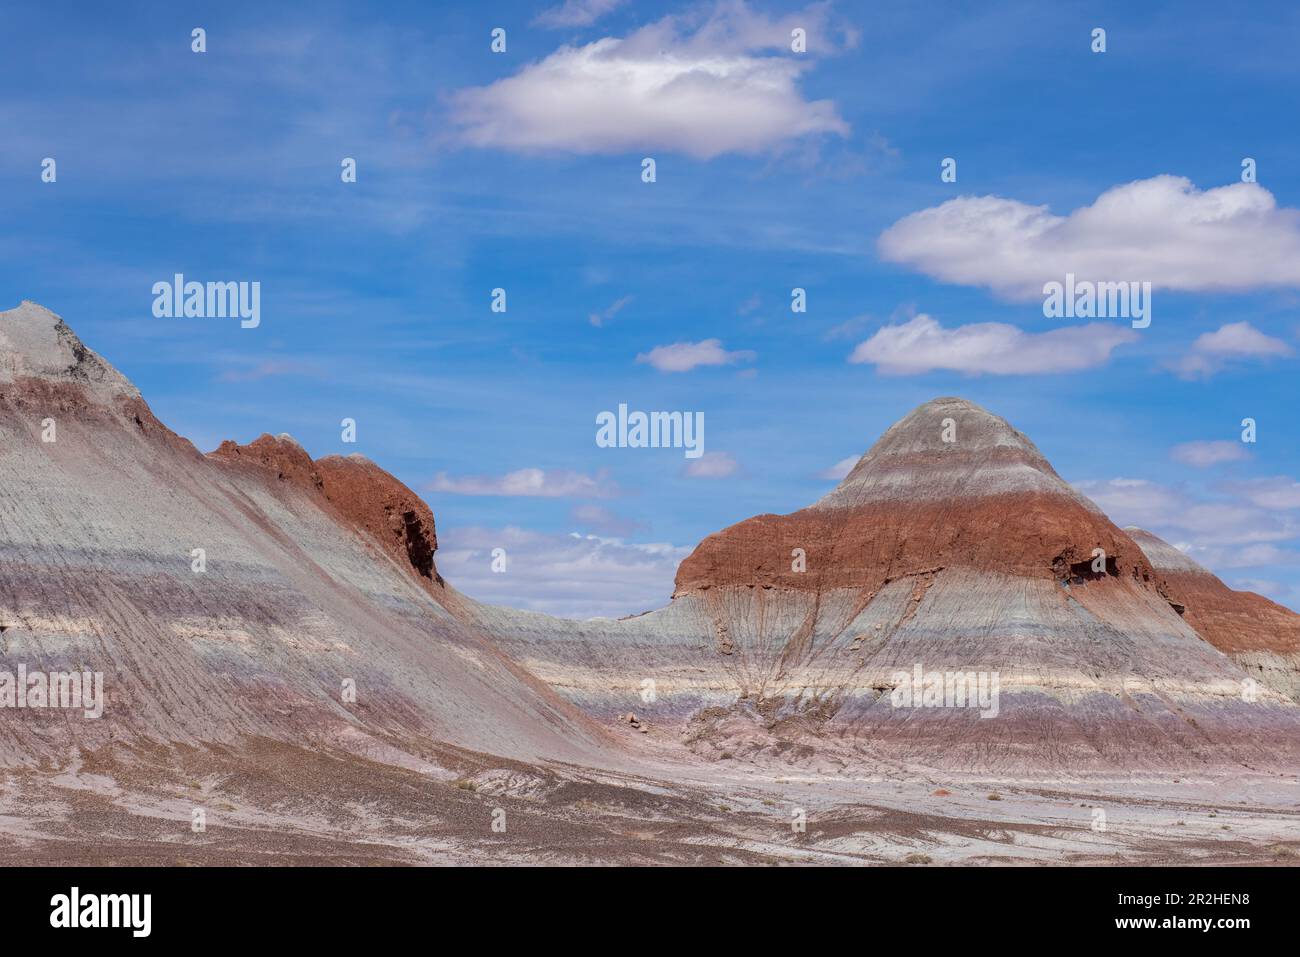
[364,495]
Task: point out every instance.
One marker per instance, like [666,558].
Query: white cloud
[1203,454]
[1237,340]
[575,576]
[840,469]
[729,85]
[1161,230]
[575,13]
[541,483]
[713,465]
[922,344]
[685,356]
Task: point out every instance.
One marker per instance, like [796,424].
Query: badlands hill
[316,577]
[952,548]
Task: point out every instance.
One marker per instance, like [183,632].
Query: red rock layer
[1234,621]
[1032,536]
[368,498]
[383,508]
[914,504]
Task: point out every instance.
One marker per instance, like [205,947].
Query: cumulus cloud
[1237,340]
[685,356]
[713,465]
[575,13]
[538,483]
[922,345]
[1161,230]
[840,469]
[1203,454]
[573,576]
[727,84]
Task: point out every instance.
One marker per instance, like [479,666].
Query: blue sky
[775,170]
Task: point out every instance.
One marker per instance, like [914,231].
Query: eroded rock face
[364,495]
[384,508]
[278,453]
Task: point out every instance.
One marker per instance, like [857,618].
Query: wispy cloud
[712,465]
[1161,230]
[1213,351]
[1203,454]
[530,482]
[268,369]
[598,319]
[597,518]
[1179,516]
[575,13]
[1264,586]
[1130,501]
[685,356]
[849,329]
[994,348]
[1278,492]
